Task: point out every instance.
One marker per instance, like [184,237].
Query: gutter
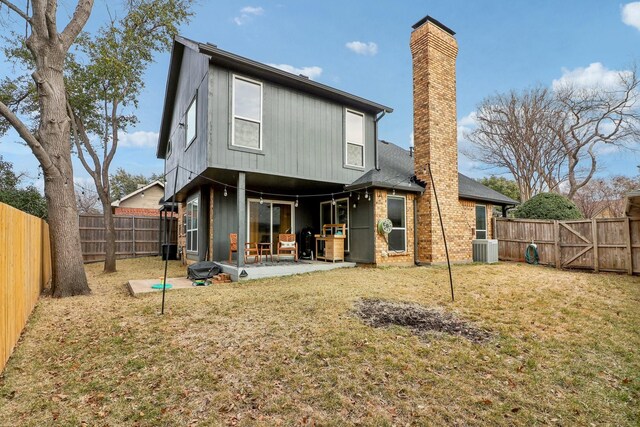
[375,137]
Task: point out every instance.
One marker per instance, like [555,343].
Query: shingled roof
[397,172]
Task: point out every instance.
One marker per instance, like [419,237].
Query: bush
[548,206]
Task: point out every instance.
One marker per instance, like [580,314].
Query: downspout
[415,231]
[375,138]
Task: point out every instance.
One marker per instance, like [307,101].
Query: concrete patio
[143,286]
[282,268]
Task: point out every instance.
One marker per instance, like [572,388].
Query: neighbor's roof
[256,69]
[138,191]
[633,204]
[396,171]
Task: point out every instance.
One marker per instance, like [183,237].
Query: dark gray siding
[361,232]
[193,79]
[303,136]
[225,221]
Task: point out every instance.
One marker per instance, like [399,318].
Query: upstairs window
[396,212]
[247,113]
[191,125]
[354,124]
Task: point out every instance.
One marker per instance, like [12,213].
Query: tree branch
[17,10]
[28,137]
[77,23]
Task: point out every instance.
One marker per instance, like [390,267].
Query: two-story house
[259,151]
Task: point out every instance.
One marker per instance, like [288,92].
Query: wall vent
[485,250]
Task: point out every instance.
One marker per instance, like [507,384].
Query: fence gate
[576,244]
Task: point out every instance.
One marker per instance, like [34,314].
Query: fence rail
[136,236]
[603,244]
[25,268]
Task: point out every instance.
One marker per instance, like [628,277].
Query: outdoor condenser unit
[485,250]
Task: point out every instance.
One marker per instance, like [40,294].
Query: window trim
[346,141]
[404,201]
[190,200]
[333,214]
[235,77]
[486,220]
[193,102]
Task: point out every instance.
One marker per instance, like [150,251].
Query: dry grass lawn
[288,351]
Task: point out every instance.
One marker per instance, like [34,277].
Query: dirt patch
[420,320]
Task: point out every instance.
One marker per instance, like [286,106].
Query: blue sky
[502,45]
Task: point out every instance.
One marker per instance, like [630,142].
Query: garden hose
[531,254]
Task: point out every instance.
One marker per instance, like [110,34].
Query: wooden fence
[25,269]
[604,244]
[136,236]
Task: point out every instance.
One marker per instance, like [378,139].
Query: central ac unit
[485,250]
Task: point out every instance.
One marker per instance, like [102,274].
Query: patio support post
[242,218]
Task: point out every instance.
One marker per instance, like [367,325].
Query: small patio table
[265,249]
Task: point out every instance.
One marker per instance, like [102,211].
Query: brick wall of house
[136,211]
[182,237]
[382,254]
[434,52]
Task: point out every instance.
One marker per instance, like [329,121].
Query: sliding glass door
[267,220]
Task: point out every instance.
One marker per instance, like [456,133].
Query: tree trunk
[53,132]
[110,239]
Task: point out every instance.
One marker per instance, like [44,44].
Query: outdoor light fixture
[141,194]
[333,201]
[296,205]
[358,198]
[355,205]
[225,191]
[366,194]
[394,192]
[261,201]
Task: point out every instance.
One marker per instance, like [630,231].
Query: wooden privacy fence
[136,236]
[603,244]
[25,269]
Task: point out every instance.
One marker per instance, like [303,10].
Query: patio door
[336,214]
[268,219]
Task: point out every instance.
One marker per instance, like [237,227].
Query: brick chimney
[434,50]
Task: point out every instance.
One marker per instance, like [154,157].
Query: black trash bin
[169,251]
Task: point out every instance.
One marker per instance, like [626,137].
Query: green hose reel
[531,254]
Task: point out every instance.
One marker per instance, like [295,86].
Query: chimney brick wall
[434,51]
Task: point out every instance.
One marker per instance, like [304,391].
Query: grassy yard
[564,349]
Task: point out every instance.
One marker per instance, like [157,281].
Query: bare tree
[513,132]
[88,200]
[601,194]
[49,138]
[589,118]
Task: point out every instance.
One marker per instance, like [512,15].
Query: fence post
[556,243]
[594,232]
[627,231]
[133,230]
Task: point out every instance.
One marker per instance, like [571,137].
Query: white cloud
[631,14]
[138,139]
[311,72]
[362,48]
[247,14]
[466,125]
[595,75]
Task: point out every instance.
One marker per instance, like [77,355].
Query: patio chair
[250,249]
[287,245]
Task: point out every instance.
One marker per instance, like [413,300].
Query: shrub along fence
[25,269]
[603,244]
[136,236]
